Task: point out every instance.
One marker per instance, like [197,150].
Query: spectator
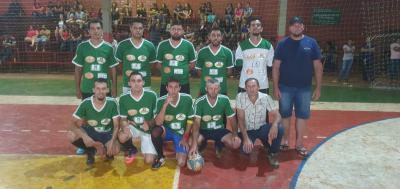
[229,15]
[15,9]
[208,8]
[394,67]
[187,12]
[189,34]
[202,12]
[178,12]
[60,27]
[238,16]
[154,11]
[58,9]
[37,9]
[81,16]
[7,50]
[141,10]
[65,40]
[31,35]
[75,37]
[330,53]
[43,38]
[164,17]
[367,56]
[126,10]
[203,31]
[247,11]
[115,13]
[348,57]
[155,31]
[243,31]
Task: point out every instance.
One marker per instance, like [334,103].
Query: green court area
[63,85]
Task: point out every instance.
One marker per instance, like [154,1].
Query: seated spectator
[155,31]
[65,40]
[60,27]
[202,12]
[58,9]
[15,9]
[141,10]
[43,37]
[238,16]
[164,17]
[208,8]
[203,30]
[243,31]
[247,11]
[189,34]
[115,14]
[37,9]
[81,16]
[211,18]
[7,50]
[126,10]
[75,37]
[178,12]
[31,35]
[72,19]
[154,11]
[229,15]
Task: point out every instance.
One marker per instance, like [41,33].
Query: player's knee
[156,132]
[72,136]
[122,137]
[181,163]
[149,159]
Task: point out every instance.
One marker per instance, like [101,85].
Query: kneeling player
[95,123]
[137,117]
[174,113]
[209,112]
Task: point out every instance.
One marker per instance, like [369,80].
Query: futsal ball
[195,162]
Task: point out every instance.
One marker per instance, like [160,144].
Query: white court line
[7,130]
[321,137]
[26,130]
[305,136]
[44,131]
[175,185]
[62,131]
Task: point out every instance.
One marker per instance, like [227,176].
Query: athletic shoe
[109,158]
[80,151]
[91,152]
[158,163]
[130,155]
[273,160]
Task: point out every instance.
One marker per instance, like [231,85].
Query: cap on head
[296,20]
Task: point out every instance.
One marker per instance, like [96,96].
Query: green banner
[326,16]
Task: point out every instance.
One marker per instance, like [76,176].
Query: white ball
[195,162]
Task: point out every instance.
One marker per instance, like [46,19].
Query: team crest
[138,120]
[101,60]
[216,117]
[89,75]
[142,58]
[168,117]
[130,57]
[144,111]
[209,64]
[128,72]
[168,56]
[105,121]
[92,123]
[167,70]
[132,112]
[219,64]
[181,117]
[179,57]
[89,59]
[206,118]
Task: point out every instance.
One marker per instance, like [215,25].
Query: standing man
[136,54]
[254,55]
[137,118]
[215,61]
[394,69]
[177,57]
[210,111]
[94,59]
[348,58]
[96,124]
[297,57]
[174,121]
[367,54]
[251,107]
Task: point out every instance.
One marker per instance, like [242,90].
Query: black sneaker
[273,160]
[90,152]
[158,163]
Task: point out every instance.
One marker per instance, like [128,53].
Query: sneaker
[273,160]
[130,156]
[158,163]
[80,151]
[90,156]
[109,158]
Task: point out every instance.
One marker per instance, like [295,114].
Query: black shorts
[86,95]
[265,91]
[215,135]
[102,137]
[184,89]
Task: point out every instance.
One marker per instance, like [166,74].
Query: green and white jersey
[136,58]
[212,115]
[177,115]
[255,58]
[138,110]
[101,119]
[175,60]
[214,65]
[95,62]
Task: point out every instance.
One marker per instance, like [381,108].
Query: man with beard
[214,61]
[297,57]
[254,55]
[136,54]
[94,59]
[210,110]
[177,57]
[96,123]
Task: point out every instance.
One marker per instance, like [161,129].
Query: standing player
[136,55]
[174,117]
[209,112]
[214,61]
[137,117]
[254,55]
[95,123]
[177,57]
[94,59]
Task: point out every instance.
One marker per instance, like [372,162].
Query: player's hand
[89,142]
[316,94]
[168,100]
[273,133]
[235,139]
[185,144]
[247,145]
[110,147]
[114,93]
[78,94]
[193,150]
[277,93]
[145,126]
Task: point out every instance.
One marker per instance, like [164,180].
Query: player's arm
[247,143]
[275,78]
[230,71]
[78,76]
[160,116]
[114,81]
[116,129]
[273,131]
[80,133]
[186,135]
[195,135]
[318,70]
